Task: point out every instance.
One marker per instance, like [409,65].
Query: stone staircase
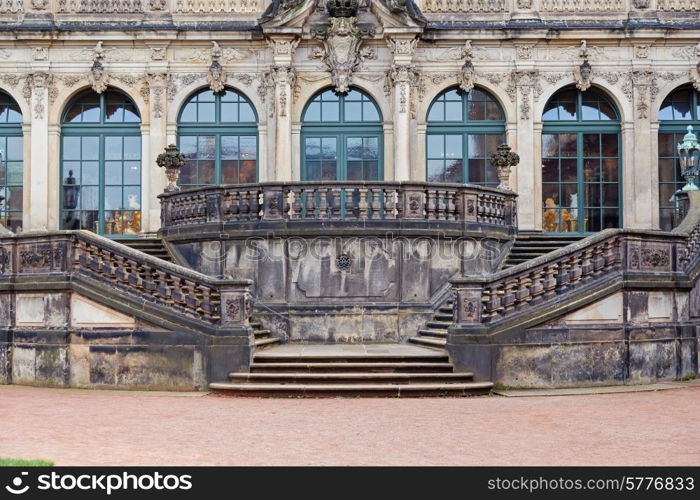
[434,333]
[331,370]
[152,246]
[263,337]
[529,245]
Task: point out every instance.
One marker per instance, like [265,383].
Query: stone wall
[632,337]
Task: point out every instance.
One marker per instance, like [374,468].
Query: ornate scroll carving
[341,50]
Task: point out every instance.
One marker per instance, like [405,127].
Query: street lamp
[689,154]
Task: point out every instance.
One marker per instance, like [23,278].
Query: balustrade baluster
[351,210]
[509,295]
[550,280]
[255,205]
[598,259]
[522,296]
[376,203]
[335,200]
[537,285]
[389,203]
[362,204]
[432,205]
[451,207]
[322,203]
[296,202]
[310,202]
[440,204]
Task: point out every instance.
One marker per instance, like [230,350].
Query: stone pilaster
[282,77]
[154,134]
[638,162]
[402,77]
[524,87]
[36,90]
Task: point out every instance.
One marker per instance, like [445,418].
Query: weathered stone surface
[652,361]
[88,313]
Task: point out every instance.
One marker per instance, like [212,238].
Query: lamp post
[689,155]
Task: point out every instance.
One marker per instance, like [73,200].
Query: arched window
[678,110]
[101,164]
[581,189]
[218,134]
[11,165]
[342,138]
[464,129]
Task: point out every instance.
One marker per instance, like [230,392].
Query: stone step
[341,357]
[343,366]
[439,324]
[261,333]
[444,317]
[368,389]
[265,342]
[430,332]
[350,377]
[255,324]
[446,310]
[429,342]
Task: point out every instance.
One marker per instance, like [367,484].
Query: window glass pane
[436,146]
[132,172]
[113,172]
[329,112]
[189,113]
[550,145]
[453,111]
[206,112]
[71,148]
[246,113]
[113,148]
[370,112]
[353,111]
[453,147]
[229,112]
[90,148]
[229,148]
[437,112]
[313,112]
[313,148]
[435,171]
[550,170]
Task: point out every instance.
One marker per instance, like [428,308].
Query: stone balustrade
[94,261]
[340,202]
[607,258]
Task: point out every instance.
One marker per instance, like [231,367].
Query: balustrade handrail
[214,301]
[593,261]
[339,201]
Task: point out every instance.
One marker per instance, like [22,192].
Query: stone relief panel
[359,268]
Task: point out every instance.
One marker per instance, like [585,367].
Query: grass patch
[18,462]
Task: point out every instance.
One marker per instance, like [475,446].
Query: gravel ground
[76,427]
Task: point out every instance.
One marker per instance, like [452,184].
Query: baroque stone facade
[401,57]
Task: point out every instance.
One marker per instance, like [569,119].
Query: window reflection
[460,149]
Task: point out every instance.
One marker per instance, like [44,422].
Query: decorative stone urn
[172,161]
[503,159]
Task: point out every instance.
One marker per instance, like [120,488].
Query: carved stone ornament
[503,159]
[342,8]
[524,4]
[640,4]
[695,76]
[467,76]
[216,77]
[98,76]
[583,75]
[172,161]
[341,50]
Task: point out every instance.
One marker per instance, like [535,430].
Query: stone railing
[136,280]
[599,263]
[339,201]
